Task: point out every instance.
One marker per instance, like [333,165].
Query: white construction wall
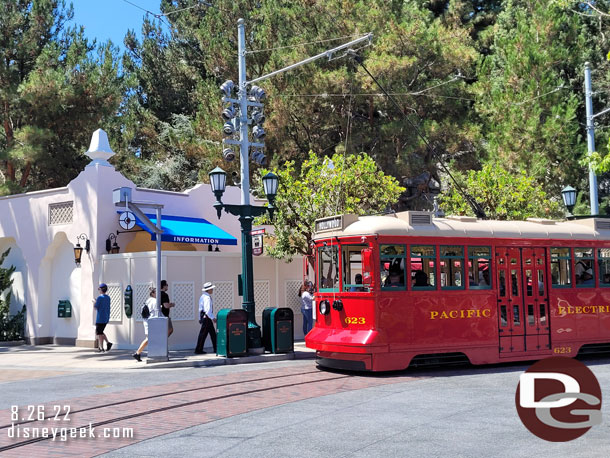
[276,284]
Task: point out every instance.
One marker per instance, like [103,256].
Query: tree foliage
[11,327]
[56,89]
[473,82]
[502,194]
[325,187]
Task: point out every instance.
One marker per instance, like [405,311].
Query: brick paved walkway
[175,406]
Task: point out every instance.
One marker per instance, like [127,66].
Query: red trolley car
[408,285]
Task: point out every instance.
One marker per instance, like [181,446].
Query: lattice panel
[61,213]
[223,296]
[116,301]
[261,295]
[292,299]
[183,295]
[140,295]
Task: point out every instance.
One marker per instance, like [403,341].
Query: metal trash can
[231,336]
[278,330]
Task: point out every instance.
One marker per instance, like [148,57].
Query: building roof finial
[99,149]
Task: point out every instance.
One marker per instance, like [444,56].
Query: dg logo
[559,399]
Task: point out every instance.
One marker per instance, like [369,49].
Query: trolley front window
[352,268]
[479,267]
[561,276]
[423,267]
[328,268]
[392,268]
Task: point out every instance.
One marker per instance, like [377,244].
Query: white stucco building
[42,228]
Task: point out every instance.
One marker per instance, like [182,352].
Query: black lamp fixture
[110,246]
[569,198]
[216,249]
[78,250]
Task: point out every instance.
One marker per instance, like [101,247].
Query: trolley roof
[415,223]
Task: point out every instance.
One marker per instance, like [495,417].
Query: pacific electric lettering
[182,239]
[460,314]
[577,310]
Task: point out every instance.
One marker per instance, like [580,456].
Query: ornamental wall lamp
[111,245]
[78,250]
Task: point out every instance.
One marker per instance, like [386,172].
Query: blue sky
[110,19]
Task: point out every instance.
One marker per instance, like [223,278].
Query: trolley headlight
[324,307]
[338,305]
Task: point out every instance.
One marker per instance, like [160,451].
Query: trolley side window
[423,267]
[479,267]
[452,267]
[328,268]
[392,259]
[603,259]
[352,268]
[584,269]
[560,268]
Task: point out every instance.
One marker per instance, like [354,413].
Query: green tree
[11,327]
[502,194]
[529,91]
[324,187]
[328,106]
[56,90]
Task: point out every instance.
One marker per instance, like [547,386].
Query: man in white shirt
[206,318]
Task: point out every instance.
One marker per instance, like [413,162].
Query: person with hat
[102,305]
[306,295]
[206,318]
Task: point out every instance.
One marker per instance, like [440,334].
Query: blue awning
[181,229]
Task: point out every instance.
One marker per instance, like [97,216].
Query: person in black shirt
[165,306]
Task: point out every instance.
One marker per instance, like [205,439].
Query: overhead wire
[301,44]
[477,209]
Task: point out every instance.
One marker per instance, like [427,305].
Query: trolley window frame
[421,258]
[383,258]
[476,258]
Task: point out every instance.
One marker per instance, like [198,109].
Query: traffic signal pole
[245,211]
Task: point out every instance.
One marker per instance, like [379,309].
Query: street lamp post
[238,121]
[569,199]
[246,213]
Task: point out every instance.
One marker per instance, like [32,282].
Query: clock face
[127,220]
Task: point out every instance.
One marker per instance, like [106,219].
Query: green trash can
[278,330]
[232,326]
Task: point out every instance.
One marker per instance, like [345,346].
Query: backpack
[145,312]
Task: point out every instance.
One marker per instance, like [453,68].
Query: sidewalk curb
[222,361]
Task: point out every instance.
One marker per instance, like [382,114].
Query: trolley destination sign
[333,223]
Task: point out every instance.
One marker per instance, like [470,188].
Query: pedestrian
[102,305]
[151,303]
[206,318]
[306,294]
[165,306]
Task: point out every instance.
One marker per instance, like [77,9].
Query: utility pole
[591,139]
[240,122]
